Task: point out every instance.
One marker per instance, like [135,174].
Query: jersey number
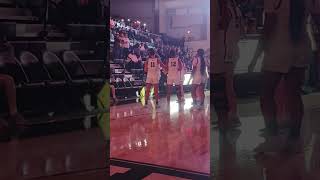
[173,64]
[153,64]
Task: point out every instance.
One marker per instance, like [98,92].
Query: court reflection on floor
[76,149]
[233,157]
[173,135]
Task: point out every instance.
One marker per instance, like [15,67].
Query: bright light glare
[186,79]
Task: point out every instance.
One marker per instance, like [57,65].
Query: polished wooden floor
[77,153]
[173,136]
[232,156]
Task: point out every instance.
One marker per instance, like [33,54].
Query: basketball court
[172,140]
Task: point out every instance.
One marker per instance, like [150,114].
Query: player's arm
[242,26]
[166,65]
[194,65]
[161,64]
[180,65]
[145,66]
[263,40]
[312,9]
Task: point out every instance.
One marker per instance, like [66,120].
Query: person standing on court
[232,34]
[199,78]
[173,67]
[152,67]
[226,35]
[287,51]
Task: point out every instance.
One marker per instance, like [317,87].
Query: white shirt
[233,34]
[282,55]
[133,57]
[126,42]
[173,66]
[153,67]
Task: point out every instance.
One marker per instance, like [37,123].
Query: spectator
[117,46]
[134,60]
[7,85]
[142,49]
[121,45]
[126,45]
[112,23]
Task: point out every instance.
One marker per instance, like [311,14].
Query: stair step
[33,34]
[6,3]
[18,18]
[31,28]
[5,11]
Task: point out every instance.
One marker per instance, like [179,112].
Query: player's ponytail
[202,61]
[296,21]
[172,53]
[152,52]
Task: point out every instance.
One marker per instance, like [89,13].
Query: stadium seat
[13,68]
[126,82]
[119,83]
[75,69]
[36,73]
[95,70]
[55,68]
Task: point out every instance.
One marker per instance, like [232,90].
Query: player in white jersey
[199,78]
[173,66]
[182,72]
[287,48]
[233,33]
[152,67]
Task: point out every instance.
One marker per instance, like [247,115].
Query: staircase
[10,13]
[19,23]
[22,29]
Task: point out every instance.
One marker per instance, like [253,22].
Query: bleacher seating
[129,80]
[53,74]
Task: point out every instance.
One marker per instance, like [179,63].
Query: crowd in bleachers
[130,42]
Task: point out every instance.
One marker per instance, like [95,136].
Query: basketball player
[152,67]
[182,72]
[232,36]
[226,54]
[199,77]
[287,48]
[174,67]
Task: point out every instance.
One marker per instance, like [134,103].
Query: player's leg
[181,92]
[169,88]
[194,93]
[270,81]
[178,89]
[201,93]
[148,87]
[220,100]
[156,93]
[294,81]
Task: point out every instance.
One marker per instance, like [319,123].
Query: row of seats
[28,70]
[53,84]
[128,82]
